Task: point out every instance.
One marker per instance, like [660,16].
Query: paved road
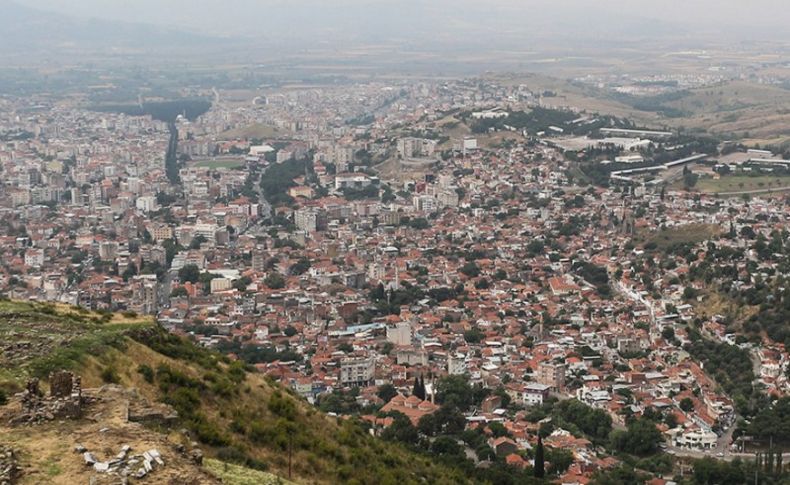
[725,455]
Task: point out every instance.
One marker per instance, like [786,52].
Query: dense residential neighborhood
[439,259]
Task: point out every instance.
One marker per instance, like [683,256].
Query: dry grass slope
[685,234]
[253,131]
[237,416]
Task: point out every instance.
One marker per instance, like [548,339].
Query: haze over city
[310,17]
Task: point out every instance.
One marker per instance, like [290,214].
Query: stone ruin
[151,414]
[64,384]
[124,465]
[65,399]
[9,469]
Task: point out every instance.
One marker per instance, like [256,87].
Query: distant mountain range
[251,31]
[28,31]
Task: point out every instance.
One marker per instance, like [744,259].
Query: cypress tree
[778,463]
[779,466]
[539,467]
[422,387]
[416,390]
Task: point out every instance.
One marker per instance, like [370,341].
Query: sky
[255,17]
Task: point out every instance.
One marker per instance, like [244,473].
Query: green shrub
[207,432]
[236,372]
[282,406]
[223,387]
[147,372]
[110,375]
[185,399]
[261,433]
[237,427]
[170,379]
[176,347]
[232,454]
[66,357]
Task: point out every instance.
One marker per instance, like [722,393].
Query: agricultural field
[742,183]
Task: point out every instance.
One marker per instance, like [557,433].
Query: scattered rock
[197,456]
[125,464]
[9,468]
[124,451]
[89,458]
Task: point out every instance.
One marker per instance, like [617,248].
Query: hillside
[27,31]
[740,110]
[131,368]
[743,109]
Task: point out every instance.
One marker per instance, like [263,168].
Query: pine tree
[539,467]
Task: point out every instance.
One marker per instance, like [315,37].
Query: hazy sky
[251,17]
